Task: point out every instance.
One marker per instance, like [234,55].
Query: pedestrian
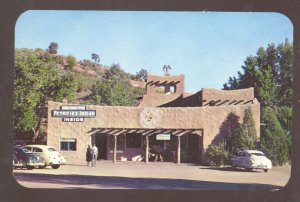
[89,155]
[95,155]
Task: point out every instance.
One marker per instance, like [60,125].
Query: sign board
[73,107]
[163,137]
[72,119]
[73,113]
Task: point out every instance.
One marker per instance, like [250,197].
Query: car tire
[56,166]
[42,167]
[233,167]
[30,167]
[249,169]
[266,170]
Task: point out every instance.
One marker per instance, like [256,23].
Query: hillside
[87,73]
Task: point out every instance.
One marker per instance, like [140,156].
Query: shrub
[218,155]
[71,60]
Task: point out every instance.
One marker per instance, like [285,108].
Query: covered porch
[129,144]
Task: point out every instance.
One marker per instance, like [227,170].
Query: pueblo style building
[175,125]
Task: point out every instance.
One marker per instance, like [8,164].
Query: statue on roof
[166,69]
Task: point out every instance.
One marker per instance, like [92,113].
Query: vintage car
[251,159]
[51,157]
[23,158]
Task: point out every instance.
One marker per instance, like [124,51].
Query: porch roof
[146,131]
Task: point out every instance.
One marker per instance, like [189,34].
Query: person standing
[89,155]
[95,155]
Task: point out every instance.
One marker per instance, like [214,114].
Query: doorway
[193,149]
[100,140]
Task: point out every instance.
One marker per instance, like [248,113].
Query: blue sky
[208,47]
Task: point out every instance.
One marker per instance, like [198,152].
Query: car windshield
[257,154]
[26,151]
[51,149]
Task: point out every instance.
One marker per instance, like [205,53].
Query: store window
[68,144]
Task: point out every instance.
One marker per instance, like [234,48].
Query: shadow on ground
[230,169]
[108,182]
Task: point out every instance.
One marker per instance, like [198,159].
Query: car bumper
[260,167]
[35,164]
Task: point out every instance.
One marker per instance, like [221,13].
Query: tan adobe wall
[152,79]
[227,97]
[209,119]
[157,100]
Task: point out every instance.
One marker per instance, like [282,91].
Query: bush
[218,155]
[71,60]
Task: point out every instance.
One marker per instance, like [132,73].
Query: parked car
[24,158]
[251,159]
[51,157]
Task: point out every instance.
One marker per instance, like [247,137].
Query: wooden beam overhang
[148,83]
[247,102]
[145,131]
[165,82]
[240,101]
[223,102]
[232,102]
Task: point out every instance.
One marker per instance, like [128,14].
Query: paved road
[137,175]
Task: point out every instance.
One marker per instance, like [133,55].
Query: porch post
[115,148]
[178,150]
[147,149]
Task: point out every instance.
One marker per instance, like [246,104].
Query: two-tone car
[251,159]
[51,157]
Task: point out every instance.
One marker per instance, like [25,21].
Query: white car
[251,159]
[51,157]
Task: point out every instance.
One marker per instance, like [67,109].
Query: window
[172,89]
[51,149]
[37,149]
[68,144]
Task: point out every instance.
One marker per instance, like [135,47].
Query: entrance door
[194,153]
[101,143]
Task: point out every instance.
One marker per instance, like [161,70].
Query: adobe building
[175,125]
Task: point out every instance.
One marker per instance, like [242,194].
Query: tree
[142,75]
[275,141]
[96,58]
[116,72]
[247,137]
[37,80]
[115,92]
[270,72]
[53,48]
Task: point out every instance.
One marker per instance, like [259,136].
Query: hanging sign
[163,137]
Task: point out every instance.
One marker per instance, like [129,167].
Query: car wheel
[233,167]
[55,166]
[30,167]
[265,170]
[249,169]
[42,167]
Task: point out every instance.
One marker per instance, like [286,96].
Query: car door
[37,151]
[242,159]
[246,157]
